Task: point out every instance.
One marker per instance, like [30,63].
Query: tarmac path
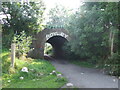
[82,77]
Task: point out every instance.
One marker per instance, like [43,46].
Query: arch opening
[57,43]
[48,49]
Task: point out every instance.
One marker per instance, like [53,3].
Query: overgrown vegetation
[20,17]
[22,42]
[58,17]
[94,29]
[22,21]
[38,75]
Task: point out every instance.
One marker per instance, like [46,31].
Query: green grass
[45,82]
[83,64]
[5,55]
[37,77]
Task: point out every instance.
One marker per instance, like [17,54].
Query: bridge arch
[56,37]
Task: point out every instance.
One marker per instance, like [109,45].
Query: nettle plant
[23,43]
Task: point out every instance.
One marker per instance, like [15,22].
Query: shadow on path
[84,77]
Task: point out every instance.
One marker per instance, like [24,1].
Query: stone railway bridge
[56,37]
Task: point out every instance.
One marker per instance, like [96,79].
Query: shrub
[112,64]
[6,40]
[22,43]
[11,70]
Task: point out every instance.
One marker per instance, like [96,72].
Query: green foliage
[58,17]
[94,28]
[5,55]
[69,53]
[45,82]
[37,69]
[11,70]
[7,39]
[23,43]
[87,34]
[83,63]
[21,17]
[37,77]
[28,17]
[112,64]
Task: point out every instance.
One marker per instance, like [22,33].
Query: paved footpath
[85,77]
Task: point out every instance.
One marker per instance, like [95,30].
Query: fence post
[13,54]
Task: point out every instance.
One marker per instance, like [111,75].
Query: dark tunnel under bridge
[57,43]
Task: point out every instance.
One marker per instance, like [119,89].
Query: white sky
[72,4]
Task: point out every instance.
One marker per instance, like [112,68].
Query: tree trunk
[13,54]
[110,37]
[112,44]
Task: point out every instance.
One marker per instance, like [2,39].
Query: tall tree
[95,31]
[20,17]
[96,20]
[58,16]
[26,16]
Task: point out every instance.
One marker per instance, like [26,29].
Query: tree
[58,16]
[95,29]
[20,17]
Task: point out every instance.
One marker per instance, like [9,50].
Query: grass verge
[83,64]
[38,75]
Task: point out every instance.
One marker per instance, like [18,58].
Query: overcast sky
[67,3]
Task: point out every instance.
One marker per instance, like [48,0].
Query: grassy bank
[38,75]
[83,63]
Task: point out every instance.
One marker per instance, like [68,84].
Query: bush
[38,75]
[36,69]
[112,65]
[22,43]
[6,40]
[11,70]
[5,55]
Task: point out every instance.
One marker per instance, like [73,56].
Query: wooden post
[13,54]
